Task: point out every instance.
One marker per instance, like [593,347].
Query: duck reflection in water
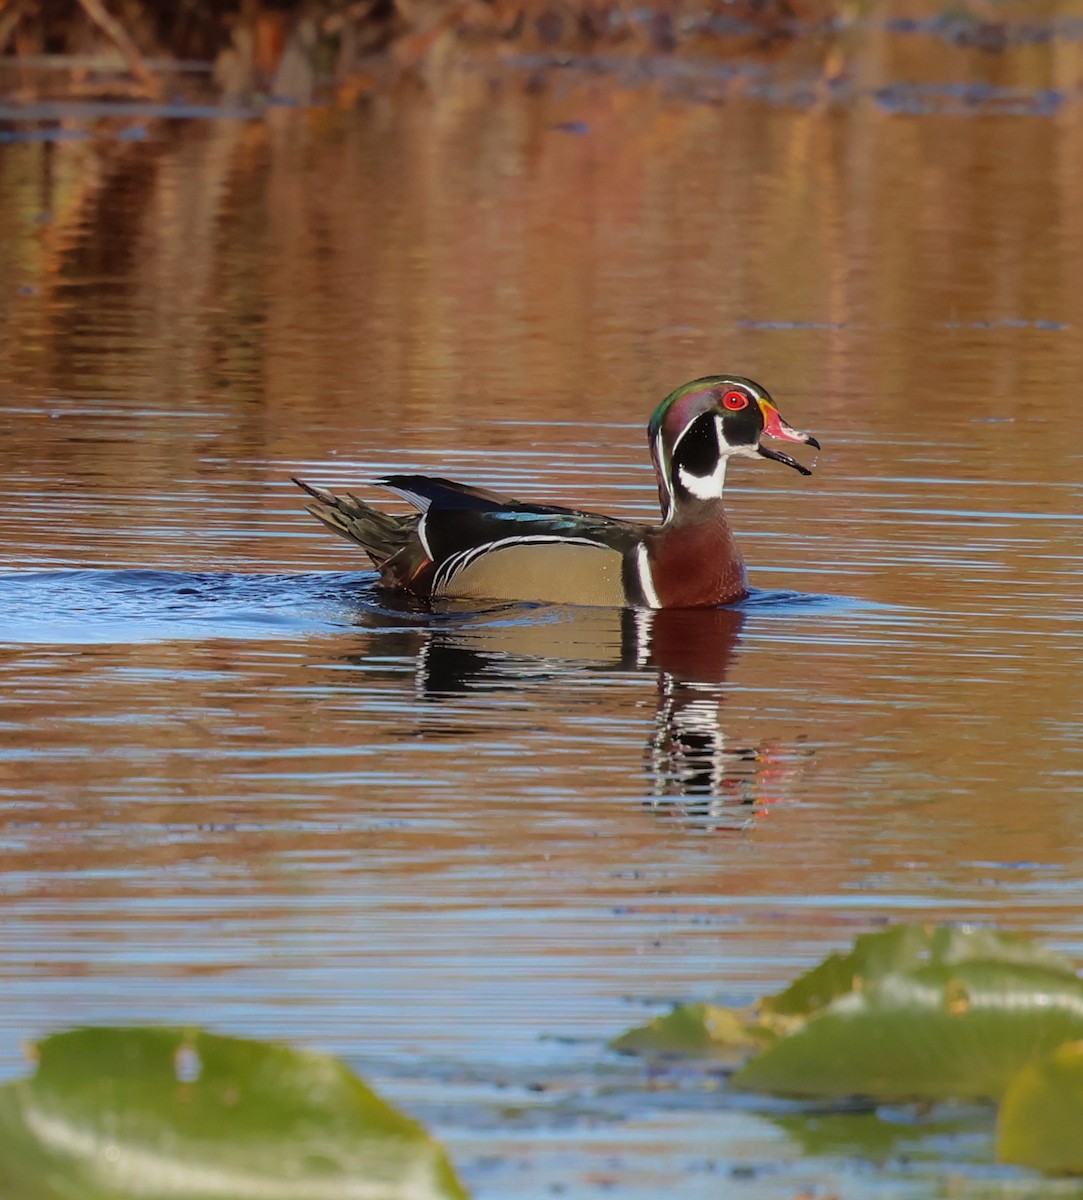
[696,774]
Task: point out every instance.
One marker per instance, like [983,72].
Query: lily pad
[696,1031]
[114,1113]
[946,1031]
[880,1134]
[905,948]
[1041,1116]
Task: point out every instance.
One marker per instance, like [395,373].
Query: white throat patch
[708,487]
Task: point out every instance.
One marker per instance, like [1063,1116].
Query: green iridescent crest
[692,398]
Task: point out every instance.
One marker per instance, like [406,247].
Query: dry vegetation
[293,49]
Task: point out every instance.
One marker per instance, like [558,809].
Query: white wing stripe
[421,503]
[421,533]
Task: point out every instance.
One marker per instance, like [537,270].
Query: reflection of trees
[253,292]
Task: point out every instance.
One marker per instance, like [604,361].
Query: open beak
[774,426]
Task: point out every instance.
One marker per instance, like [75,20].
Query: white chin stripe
[659,458]
[705,487]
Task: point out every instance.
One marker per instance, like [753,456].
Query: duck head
[697,429]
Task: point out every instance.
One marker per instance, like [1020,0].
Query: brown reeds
[290,49]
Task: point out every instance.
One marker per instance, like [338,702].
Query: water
[240,787]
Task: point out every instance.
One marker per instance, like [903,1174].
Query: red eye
[735,401]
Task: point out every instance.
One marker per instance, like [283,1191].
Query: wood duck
[472,543]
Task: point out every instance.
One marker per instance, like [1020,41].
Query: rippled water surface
[240,787]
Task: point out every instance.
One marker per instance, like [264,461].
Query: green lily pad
[870,1138]
[696,1031]
[112,1114]
[947,1031]
[1041,1116]
[905,948]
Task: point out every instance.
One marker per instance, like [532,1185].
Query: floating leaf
[160,1112]
[904,948]
[696,1030]
[944,1031]
[909,1134]
[1041,1116]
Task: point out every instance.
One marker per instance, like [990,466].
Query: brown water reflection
[270,803]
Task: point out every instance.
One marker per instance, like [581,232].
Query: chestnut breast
[695,563]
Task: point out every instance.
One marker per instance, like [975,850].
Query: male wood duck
[471,543]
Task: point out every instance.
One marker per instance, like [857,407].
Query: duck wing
[431,493]
[528,553]
[469,542]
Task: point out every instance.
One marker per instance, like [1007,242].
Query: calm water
[238,788]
